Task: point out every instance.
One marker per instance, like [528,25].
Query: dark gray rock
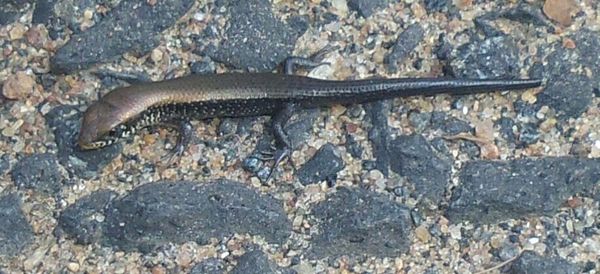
[255,39]
[209,266]
[495,57]
[10,10]
[325,164]
[530,262]
[357,222]
[448,124]
[61,15]
[256,261]
[174,212]
[406,42]
[436,5]
[15,232]
[494,191]
[204,66]
[299,127]
[65,122]
[4,163]
[569,90]
[506,129]
[38,171]
[528,14]
[414,158]
[366,8]
[132,26]
[419,120]
[528,134]
[379,133]
[84,219]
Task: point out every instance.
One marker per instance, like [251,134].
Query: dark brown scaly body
[173,103]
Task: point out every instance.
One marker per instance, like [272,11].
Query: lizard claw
[279,156]
[173,155]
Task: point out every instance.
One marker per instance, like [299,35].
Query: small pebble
[423,234]
[73,267]
[561,11]
[17,32]
[18,86]
[156,56]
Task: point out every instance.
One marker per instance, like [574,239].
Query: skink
[173,103]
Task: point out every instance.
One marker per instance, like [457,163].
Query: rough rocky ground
[501,182]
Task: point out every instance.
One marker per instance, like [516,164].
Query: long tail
[377,89]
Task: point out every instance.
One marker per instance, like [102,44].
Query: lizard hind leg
[283,147]
[184,130]
[311,62]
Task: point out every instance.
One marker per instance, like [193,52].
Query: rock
[324,165]
[366,8]
[18,86]
[561,11]
[11,10]
[84,219]
[15,232]
[491,58]
[357,222]
[526,13]
[494,191]
[530,262]
[255,40]
[449,124]
[155,214]
[406,42]
[379,132]
[209,266]
[436,5]
[65,122]
[256,261]
[299,127]
[569,90]
[204,66]
[132,26]
[429,172]
[38,171]
[506,129]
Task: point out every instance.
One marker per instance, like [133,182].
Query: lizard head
[102,126]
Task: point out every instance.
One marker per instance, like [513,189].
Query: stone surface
[84,219]
[530,262]
[413,157]
[406,42]
[209,266]
[38,171]
[15,232]
[366,8]
[65,122]
[11,10]
[379,132]
[494,191]
[448,124]
[259,42]
[133,27]
[175,212]
[436,5]
[256,261]
[324,165]
[495,57]
[570,90]
[357,222]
